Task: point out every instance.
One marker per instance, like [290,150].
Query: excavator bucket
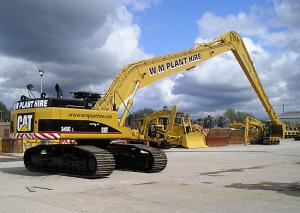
[194,140]
[277,130]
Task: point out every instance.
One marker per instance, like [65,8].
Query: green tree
[237,116]
[230,114]
[142,113]
[134,119]
[4,113]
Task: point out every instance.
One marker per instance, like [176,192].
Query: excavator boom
[138,75]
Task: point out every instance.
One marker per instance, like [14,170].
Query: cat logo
[25,122]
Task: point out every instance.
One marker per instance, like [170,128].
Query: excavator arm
[138,75]
[167,113]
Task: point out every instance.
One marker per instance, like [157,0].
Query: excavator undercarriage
[93,162]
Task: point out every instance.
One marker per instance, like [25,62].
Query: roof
[290,115]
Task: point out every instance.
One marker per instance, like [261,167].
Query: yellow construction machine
[95,127]
[263,132]
[291,131]
[237,125]
[168,127]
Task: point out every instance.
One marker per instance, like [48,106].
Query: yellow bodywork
[54,113]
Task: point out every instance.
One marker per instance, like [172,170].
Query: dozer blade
[194,140]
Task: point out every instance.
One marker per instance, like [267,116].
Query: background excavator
[96,154]
[262,132]
[168,127]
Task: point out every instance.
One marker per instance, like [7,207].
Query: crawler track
[137,157]
[81,161]
[266,142]
[92,162]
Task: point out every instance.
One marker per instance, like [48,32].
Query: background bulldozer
[168,127]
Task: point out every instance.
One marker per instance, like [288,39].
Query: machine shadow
[217,173]
[4,160]
[205,151]
[21,171]
[290,189]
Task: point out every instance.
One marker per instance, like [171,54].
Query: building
[291,117]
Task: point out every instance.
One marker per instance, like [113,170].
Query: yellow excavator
[95,128]
[168,127]
[263,134]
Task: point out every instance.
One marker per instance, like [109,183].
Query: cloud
[271,37]
[288,12]
[44,31]
[210,25]
[81,45]
[140,5]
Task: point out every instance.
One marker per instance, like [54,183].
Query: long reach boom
[138,75]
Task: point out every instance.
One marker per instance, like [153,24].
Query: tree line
[230,114]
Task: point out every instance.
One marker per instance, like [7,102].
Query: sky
[82,45]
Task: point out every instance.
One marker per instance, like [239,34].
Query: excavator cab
[271,135]
[152,130]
